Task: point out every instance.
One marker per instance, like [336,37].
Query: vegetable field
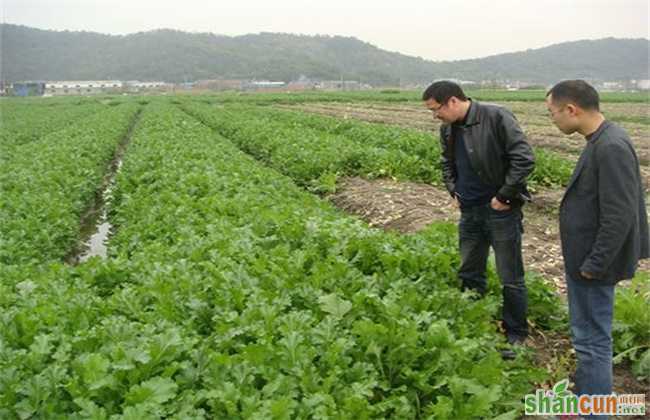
[234,287]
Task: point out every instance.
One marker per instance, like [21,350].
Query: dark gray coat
[603,219]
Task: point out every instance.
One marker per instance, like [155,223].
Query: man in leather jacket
[485,162]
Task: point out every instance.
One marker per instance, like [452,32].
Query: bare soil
[408,207]
[403,206]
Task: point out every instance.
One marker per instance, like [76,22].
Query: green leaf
[334,305]
[138,412]
[94,370]
[156,391]
[480,403]
[41,344]
[641,368]
[510,415]
[442,409]
[90,410]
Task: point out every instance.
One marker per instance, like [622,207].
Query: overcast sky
[432,29]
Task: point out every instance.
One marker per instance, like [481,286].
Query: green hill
[174,56]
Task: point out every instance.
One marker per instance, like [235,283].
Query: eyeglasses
[552,113]
[437,110]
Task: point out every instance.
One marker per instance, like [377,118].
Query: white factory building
[82,87]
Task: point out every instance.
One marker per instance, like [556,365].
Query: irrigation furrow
[95,226]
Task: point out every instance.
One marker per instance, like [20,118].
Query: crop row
[25,122]
[232,293]
[260,269]
[47,184]
[551,169]
[278,135]
[314,157]
[394,95]
[307,145]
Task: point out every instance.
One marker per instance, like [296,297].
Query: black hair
[443,90]
[578,92]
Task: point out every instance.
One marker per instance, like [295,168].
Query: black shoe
[513,340]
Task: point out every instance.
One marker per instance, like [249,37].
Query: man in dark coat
[485,163]
[603,227]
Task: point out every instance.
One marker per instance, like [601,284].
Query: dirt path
[409,207]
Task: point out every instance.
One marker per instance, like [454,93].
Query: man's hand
[454,199]
[587,275]
[499,206]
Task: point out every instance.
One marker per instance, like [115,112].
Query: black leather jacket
[497,150]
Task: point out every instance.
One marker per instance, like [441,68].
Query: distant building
[220,84]
[82,87]
[339,85]
[264,85]
[643,84]
[136,86]
[29,88]
[518,84]
[468,83]
[613,86]
[186,85]
[301,84]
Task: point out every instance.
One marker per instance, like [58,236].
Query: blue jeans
[591,308]
[481,227]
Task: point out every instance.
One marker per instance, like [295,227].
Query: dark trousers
[481,227]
